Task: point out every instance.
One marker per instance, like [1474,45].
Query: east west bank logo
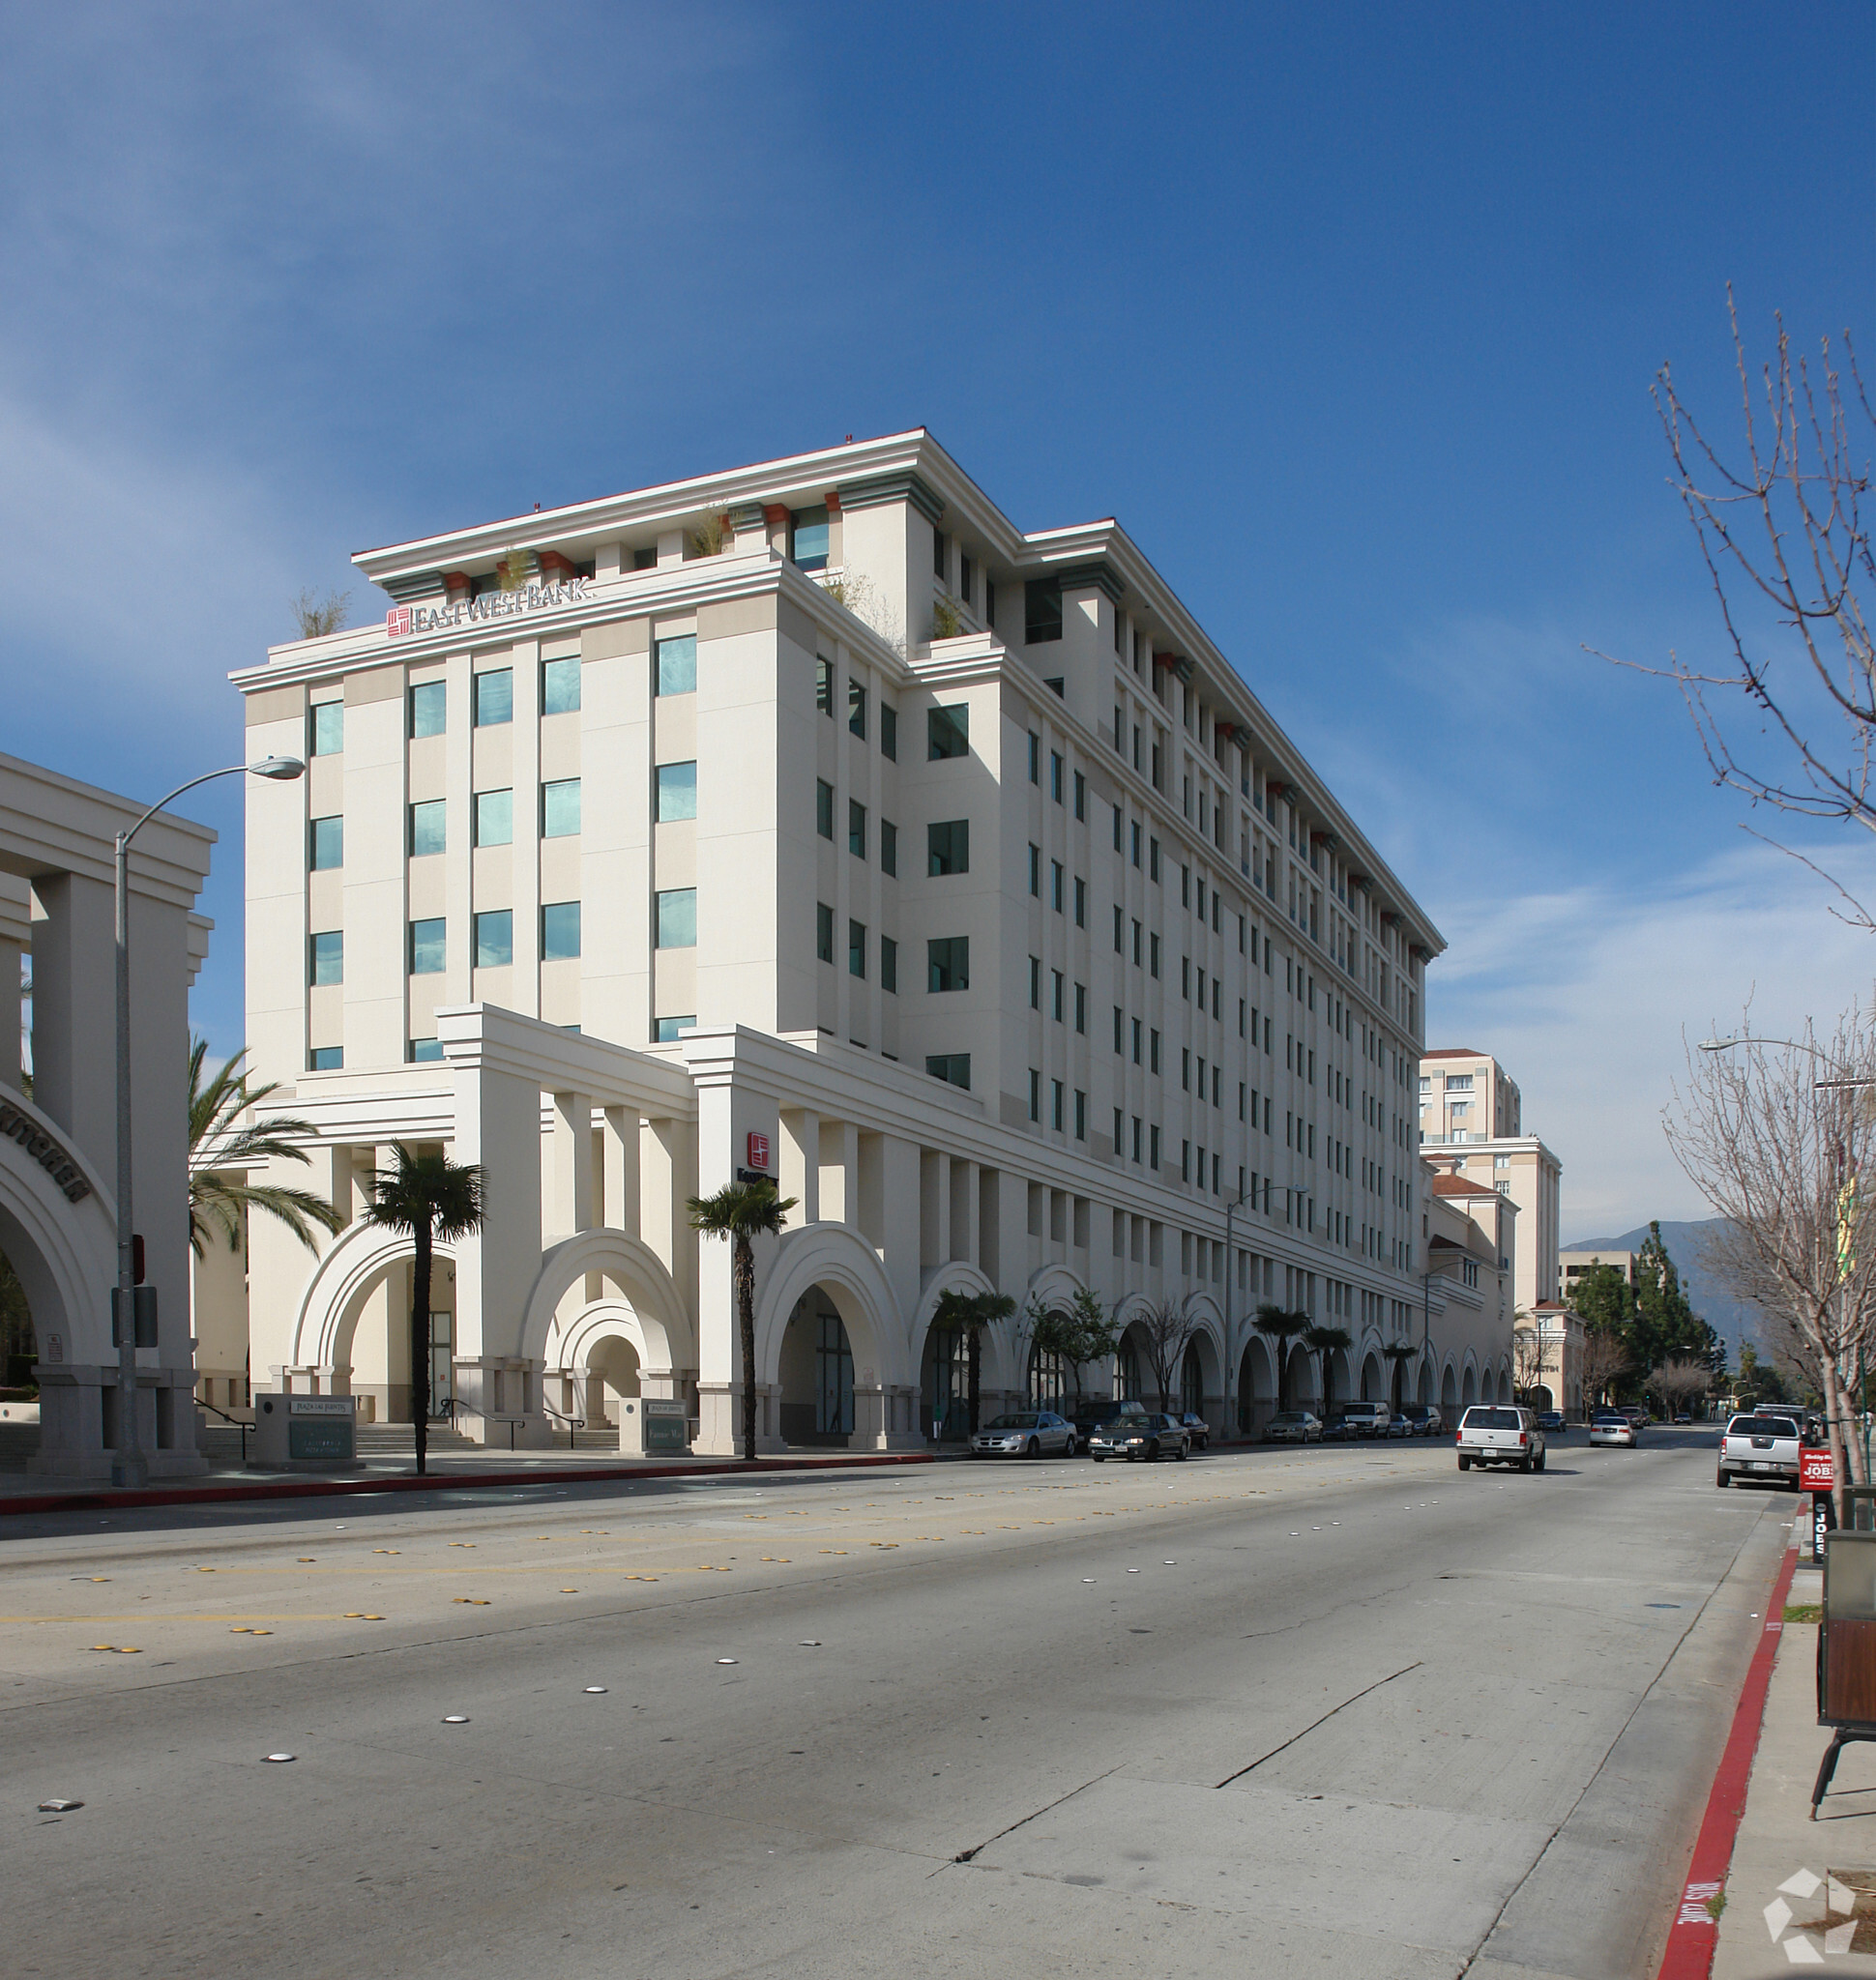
[402,621]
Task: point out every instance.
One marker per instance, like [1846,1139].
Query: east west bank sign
[402,621]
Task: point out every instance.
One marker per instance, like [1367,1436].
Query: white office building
[811,819]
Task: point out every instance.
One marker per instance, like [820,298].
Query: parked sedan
[1551,1419]
[1140,1438]
[1426,1420]
[1293,1426]
[1025,1434]
[1608,1426]
[1197,1430]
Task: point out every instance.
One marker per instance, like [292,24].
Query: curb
[1694,1935]
[461,1481]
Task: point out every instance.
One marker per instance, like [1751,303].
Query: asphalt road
[1340,1711]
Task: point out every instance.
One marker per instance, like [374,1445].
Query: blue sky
[1349,315]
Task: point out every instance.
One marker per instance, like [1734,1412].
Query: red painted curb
[1694,1935]
[462,1481]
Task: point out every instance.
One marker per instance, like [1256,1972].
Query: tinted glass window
[1762,1426]
[949,847]
[948,732]
[328,728]
[677,665]
[677,919]
[328,843]
[560,931]
[560,809]
[494,818]
[428,827]
[677,792]
[560,685]
[428,706]
[495,938]
[427,947]
[1492,1419]
[494,697]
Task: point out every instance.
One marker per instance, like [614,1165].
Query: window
[424,1051]
[560,685]
[1120,930]
[494,818]
[889,847]
[1184,1068]
[889,732]
[1058,988]
[1153,1149]
[948,732]
[888,964]
[857,948]
[666,1029]
[677,918]
[427,947]
[327,844]
[1153,955]
[823,932]
[429,822]
[1057,1094]
[939,544]
[677,792]
[1081,1007]
[1042,611]
[824,807]
[326,959]
[857,709]
[560,931]
[1035,871]
[1081,1115]
[1120,1029]
[677,664]
[1152,860]
[1057,875]
[948,847]
[1136,945]
[948,963]
[824,686]
[326,1058]
[428,708]
[856,829]
[809,538]
[1035,1095]
[1080,902]
[964,574]
[494,697]
[1035,758]
[1134,835]
[1036,983]
[560,809]
[1055,774]
[990,603]
[1153,1053]
[1136,1041]
[495,938]
[952,1068]
[1082,805]
[326,720]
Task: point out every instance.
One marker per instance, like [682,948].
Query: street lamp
[1818,1086]
[129,1464]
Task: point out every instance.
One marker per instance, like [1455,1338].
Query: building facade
[1471,1124]
[810,820]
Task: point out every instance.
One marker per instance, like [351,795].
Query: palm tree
[1324,1341]
[969,1314]
[742,1211]
[1281,1328]
[218,1144]
[430,1197]
[1400,1353]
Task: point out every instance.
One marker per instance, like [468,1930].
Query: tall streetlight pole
[129,1464]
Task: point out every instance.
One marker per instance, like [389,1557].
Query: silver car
[1025,1434]
[1293,1426]
[1142,1437]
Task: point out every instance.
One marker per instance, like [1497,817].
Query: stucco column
[74,1013]
[899,1247]
[801,1163]
[840,1171]
[620,1141]
[934,1208]
[498,1125]
[964,1210]
[570,1204]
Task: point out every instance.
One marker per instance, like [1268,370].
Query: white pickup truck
[1495,1435]
[1764,1445]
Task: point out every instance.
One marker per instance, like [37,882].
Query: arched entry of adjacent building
[1541,1399]
[1375,1385]
[816,1373]
[1448,1389]
[1256,1386]
[1423,1382]
[1469,1387]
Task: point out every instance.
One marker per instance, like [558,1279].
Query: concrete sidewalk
[1818,1878]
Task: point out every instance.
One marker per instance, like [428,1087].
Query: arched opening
[1050,1382]
[1192,1381]
[1424,1382]
[1339,1377]
[1129,1371]
[945,1384]
[611,1375]
[372,1343]
[1375,1386]
[1504,1387]
[1469,1389]
[815,1371]
[1541,1399]
[1302,1388]
[1256,1388]
[1448,1389]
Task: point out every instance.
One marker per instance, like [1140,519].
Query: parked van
[1368,1419]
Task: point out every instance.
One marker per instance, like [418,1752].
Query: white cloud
[1585,993]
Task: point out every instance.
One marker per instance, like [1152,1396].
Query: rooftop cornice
[51,823]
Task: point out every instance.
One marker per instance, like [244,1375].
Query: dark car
[1551,1419]
[1424,1417]
[1341,1429]
[1143,1438]
[1096,1416]
[1196,1429]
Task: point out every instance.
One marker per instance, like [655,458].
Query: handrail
[573,1423]
[243,1428]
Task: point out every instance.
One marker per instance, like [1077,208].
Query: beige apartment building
[1572,1264]
[1471,1124]
[810,820]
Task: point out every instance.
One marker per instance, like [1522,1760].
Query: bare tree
[317,617]
[1680,1384]
[1167,1331]
[1605,1357]
[1779,1153]
[1527,1354]
[1785,542]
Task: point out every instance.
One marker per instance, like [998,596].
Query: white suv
[1493,1434]
[1366,1419]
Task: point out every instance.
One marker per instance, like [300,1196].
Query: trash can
[304,1433]
[1846,1647]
